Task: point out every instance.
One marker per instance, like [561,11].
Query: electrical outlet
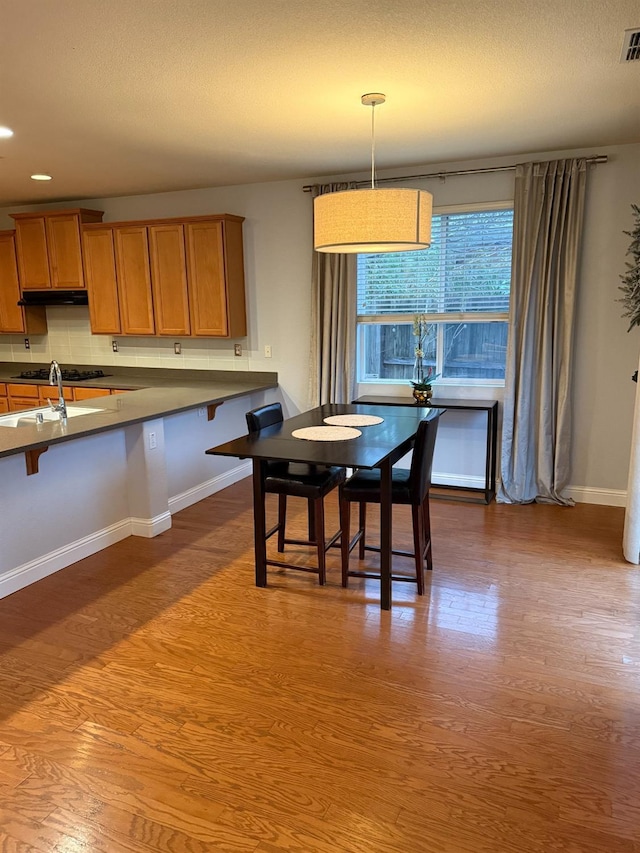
[27,345]
[114,346]
[267,351]
[237,349]
[153,443]
[177,348]
[202,412]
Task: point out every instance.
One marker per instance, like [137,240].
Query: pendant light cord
[373,146]
[372,99]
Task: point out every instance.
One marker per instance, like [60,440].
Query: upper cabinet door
[169,279]
[205,256]
[33,259]
[100,274]
[234,278]
[11,318]
[65,257]
[215,267]
[14,318]
[134,280]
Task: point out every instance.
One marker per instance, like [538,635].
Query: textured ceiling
[120,97]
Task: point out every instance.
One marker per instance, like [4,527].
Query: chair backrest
[264,416]
[422,461]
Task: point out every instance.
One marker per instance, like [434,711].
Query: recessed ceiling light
[5,132]
[41,177]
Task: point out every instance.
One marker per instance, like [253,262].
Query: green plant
[424,383]
[423,377]
[631,279]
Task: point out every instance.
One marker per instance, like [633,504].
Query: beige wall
[278,250]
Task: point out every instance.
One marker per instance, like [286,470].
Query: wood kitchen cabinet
[216,277]
[13,317]
[102,284]
[118,277]
[16,397]
[175,277]
[22,396]
[50,392]
[49,249]
[20,404]
[90,393]
[169,279]
[134,280]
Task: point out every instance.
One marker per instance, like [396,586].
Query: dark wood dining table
[379,446]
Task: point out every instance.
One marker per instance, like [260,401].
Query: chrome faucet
[55,378]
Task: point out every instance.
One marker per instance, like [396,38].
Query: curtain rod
[600,158]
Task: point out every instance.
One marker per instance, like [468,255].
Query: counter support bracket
[211,410]
[32,457]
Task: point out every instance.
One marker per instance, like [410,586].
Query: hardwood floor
[152,699]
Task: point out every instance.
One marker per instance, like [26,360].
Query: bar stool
[407,487]
[302,480]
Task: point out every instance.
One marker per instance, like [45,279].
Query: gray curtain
[536,433]
[333,322]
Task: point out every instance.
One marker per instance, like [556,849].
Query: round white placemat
[326,433]
[353,420]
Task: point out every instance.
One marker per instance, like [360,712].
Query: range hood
[54,297]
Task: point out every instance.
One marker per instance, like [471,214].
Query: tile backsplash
[70,341]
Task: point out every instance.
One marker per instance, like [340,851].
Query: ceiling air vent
[631,46]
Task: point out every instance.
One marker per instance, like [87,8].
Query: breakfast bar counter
[123,467]
[152,394]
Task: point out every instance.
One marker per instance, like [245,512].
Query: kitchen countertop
[155,392]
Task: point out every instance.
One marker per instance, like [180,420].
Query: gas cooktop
[67,375]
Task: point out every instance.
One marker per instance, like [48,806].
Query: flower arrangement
[423,380]
[422,377]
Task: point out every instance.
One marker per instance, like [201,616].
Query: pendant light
[372,220]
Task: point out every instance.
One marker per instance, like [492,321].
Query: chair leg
[362,528]
[282,521]
[318,517]
[311,520]
[426,526]
[345,534]
[418,548]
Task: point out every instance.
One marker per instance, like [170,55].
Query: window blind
[466,270]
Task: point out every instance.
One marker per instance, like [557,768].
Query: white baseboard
[580,494]
[209,487]
[463,480]
[35,570]
[589,495]
[150,527]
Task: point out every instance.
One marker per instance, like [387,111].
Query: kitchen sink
[28,416]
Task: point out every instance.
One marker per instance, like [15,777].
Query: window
[461,283]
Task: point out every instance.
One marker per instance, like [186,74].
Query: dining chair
[409,487]
[302,480]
